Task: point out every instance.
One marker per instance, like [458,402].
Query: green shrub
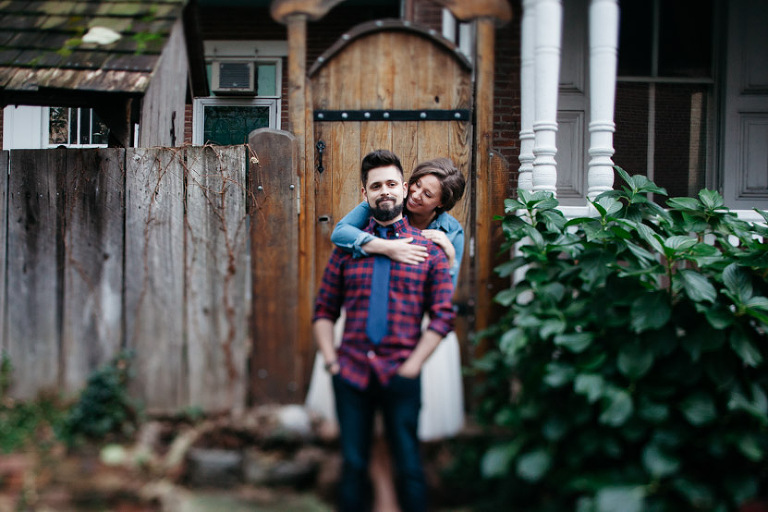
[24,424]
[104,409]
[629,367]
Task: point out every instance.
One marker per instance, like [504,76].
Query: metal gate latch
[320,148]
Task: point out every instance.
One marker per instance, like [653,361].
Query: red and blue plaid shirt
[414,290]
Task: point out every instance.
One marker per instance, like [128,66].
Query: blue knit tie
[378,306]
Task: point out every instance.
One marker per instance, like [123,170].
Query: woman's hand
[441,239]
[400,250]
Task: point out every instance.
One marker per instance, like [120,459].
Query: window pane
[635,37]
[100,132]
[266,79]
[230,125]
[681,133]
[58,125]
[685,45]
[85,125]
[630,139]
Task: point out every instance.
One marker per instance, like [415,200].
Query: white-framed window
[74,128]
[666,101]
[228,121]
[34,127]
[246,85]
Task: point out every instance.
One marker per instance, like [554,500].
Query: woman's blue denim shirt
[349,236]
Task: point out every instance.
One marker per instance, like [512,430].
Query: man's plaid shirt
[414,290]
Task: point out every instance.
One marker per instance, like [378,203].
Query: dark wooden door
[392,86]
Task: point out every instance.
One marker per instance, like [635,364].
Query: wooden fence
[142,249]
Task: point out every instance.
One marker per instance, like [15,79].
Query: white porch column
[527,94]
[548,31]
[603,52]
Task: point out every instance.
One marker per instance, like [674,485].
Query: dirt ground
[153,472]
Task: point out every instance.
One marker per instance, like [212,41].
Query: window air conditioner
[230,77]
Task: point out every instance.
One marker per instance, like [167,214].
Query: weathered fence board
[34,277]
[154,275]
[276,368]
[92,331]
[4,156]
[218,277]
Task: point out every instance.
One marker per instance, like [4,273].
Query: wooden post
[301,127]
[484,129]
[275,369]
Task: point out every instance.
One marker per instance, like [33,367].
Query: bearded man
[378,365]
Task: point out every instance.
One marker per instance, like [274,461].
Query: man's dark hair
[379,158]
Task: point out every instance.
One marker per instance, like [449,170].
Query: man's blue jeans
[399,402]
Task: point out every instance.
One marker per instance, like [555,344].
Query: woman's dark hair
[378,158]
[452,181]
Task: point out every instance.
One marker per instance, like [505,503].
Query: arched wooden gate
[387,84]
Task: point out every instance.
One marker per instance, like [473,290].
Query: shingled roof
[83,45]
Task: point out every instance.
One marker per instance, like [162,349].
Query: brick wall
[506,94]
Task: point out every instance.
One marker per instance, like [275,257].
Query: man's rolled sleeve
[441,313]
[329,296]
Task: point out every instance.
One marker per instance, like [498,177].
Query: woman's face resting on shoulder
[424,195]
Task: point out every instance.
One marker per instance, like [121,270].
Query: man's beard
[386,214]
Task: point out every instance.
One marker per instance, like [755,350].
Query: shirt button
[371,354]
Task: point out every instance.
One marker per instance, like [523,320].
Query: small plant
[25,423]
[629,368]
[6,373]
[104,408]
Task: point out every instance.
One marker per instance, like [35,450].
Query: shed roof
[83,45]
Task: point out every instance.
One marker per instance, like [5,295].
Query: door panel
[745,159]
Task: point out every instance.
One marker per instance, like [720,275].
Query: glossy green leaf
[685,203]
[659,462]
[532,466]
[551,327]
[506,297]
[650,311]
[589,384]
[699,497]
[745,349]
[576,341]
[738,282]
[634,360]
[558,374]
[680,243]
[512,205]
[609,205]
[497,459]
[756,404]
[750,447]
[618,408]
[512,341]
[697,287]
[653,412]
[507,268]
[758,303]
[699,409]
[711,199]
[620,499]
